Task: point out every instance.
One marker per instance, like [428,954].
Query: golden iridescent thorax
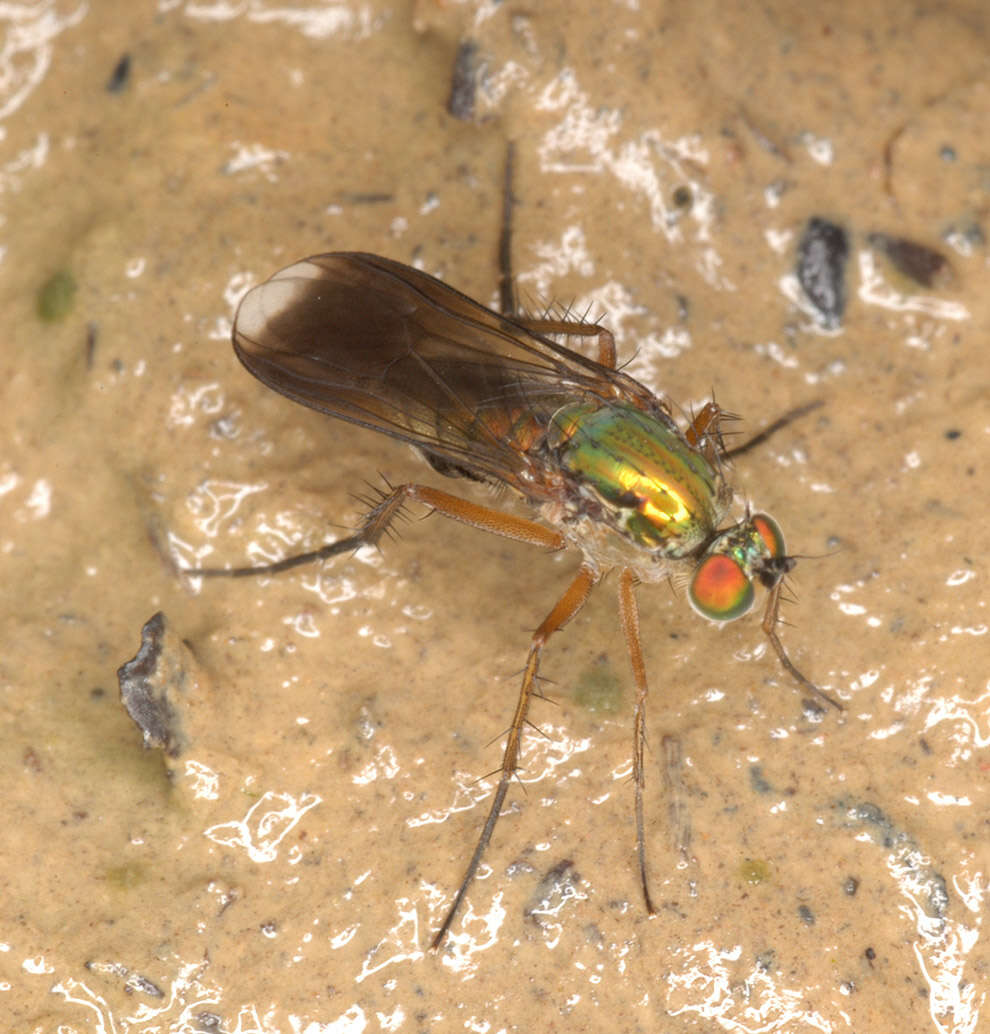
[657,490]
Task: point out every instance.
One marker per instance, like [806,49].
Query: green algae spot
[754,870]
[598,689]
[126,877]
[56,297]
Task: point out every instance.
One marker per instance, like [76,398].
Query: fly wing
[383,345]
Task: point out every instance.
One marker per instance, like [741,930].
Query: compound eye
[720,589]
[769,530]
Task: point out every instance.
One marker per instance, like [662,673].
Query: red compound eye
[769,530]
[720,589]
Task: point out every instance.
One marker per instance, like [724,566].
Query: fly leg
[376,523]
[771,429]
[506,284]
[380,518]
[508,304]
[629,614]
[566,607]
[771,616]
[705,431]
[574,328]
[705,424]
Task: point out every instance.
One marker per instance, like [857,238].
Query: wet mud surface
[775,208]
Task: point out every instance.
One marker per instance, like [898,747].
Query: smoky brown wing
[386,346]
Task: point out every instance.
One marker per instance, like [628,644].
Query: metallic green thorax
[658,491]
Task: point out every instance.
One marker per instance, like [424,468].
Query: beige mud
[814,873]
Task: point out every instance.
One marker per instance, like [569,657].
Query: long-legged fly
[599,457]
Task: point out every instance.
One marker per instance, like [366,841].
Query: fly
[598,456]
